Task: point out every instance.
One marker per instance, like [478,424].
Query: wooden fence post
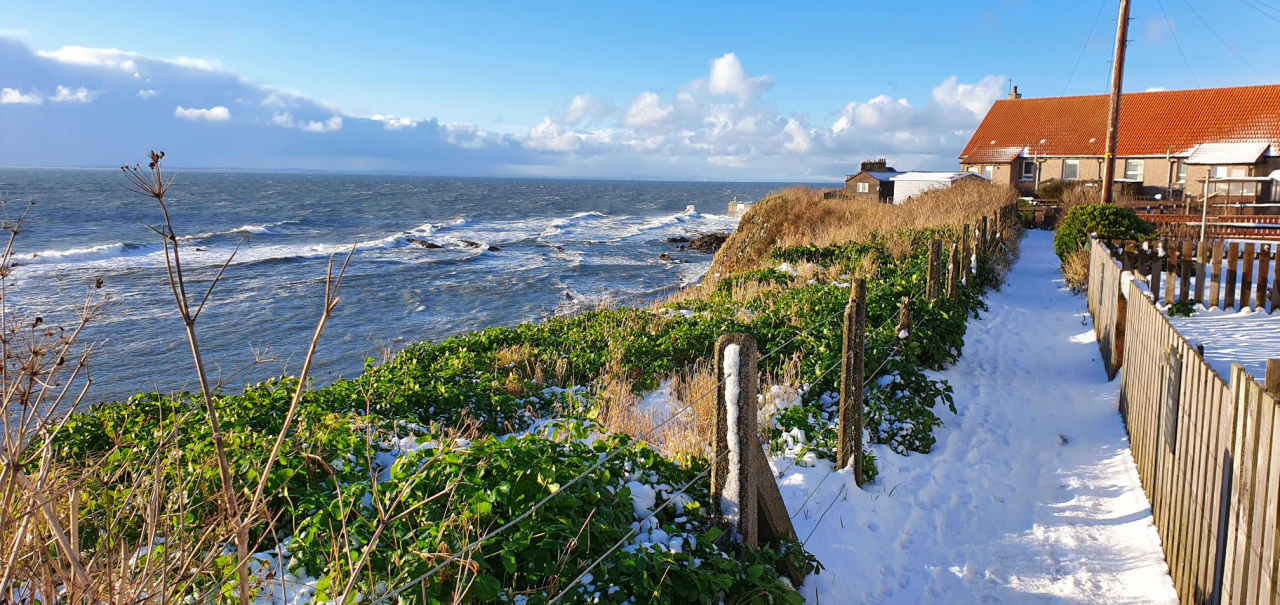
[1185,260]
[1171,270]
[982,236]
[903,330]
[849,448]
[1202,273]
[933,287]
[1264,265]
[1273,377]
[733,484]
[1215,274]
[1246,278]
[953,273]
[1229,293]
[964,256]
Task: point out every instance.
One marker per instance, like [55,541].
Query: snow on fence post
[904,322]
[733,480]
[953,273]
[853,364]
[934,286]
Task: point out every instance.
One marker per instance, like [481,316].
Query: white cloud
[73,95]
[147,94]
[13,96]
[93,57]
[394,123]
[201,64]
[329,125]
[213,114]
[282,119]
[729,77]
[470,136]
[647,109]
[1156,89]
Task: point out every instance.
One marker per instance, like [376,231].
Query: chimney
[877,165]
[1014,94]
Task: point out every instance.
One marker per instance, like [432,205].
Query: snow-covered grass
[1029,495]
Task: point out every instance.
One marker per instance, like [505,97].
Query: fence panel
[1207,449]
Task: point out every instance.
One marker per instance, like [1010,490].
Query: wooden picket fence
[1215,273]
[1207,449]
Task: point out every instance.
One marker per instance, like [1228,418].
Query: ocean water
[563,244]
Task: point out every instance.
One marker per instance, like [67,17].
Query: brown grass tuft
[1075,270]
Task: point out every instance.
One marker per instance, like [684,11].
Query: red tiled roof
[1151,123]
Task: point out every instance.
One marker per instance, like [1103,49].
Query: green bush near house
[1106,220]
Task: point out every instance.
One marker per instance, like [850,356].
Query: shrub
[1105,220]
[1052,190]
[1181,308]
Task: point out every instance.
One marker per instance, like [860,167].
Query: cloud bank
[718,126]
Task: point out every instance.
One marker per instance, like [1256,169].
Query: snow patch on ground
[1030,495]
[1246,337]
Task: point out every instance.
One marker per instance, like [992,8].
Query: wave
[89,253]
[262,229]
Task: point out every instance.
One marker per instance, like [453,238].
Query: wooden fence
[1217,274]
[1181,226]
[1207,450]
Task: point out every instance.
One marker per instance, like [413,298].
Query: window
[1133,170]
[1182,171]
[864,187]
[1070,170]
[989,172]
[1028,170]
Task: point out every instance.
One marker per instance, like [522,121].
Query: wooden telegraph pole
[1113,115]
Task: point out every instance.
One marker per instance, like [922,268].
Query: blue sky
[683,90]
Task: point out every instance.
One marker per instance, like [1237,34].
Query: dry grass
[1075,270]
[800,215]
[688,434]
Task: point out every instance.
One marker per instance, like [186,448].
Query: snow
[729,497]
[1030,495]
[1246,337]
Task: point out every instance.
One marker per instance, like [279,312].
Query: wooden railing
[1207,450]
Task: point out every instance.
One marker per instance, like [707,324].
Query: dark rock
[709,242]
[423,243]
[679,239]
[494,249]
[665,257]
[469,243]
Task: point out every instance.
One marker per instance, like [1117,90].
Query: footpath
[1030,494]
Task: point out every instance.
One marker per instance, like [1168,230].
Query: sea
[511,250]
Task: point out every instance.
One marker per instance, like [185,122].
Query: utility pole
[1113,116]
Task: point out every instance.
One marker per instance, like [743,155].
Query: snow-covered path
[1030,494]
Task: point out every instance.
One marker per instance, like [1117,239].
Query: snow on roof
[1245,152]
[994,155]
[935,176]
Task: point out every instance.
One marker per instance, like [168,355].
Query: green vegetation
[1181,308]
[384,479]
[1107,221]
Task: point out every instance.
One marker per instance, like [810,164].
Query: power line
[1264,13]
[1085,46]
[1177,43]
[1224,41]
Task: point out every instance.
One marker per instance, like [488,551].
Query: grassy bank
[389,481]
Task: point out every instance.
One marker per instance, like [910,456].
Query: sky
[655,90]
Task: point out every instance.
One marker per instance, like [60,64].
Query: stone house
[872,183]
[1174,144]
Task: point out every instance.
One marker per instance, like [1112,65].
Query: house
[907,185]
[873,183]
[1178,143]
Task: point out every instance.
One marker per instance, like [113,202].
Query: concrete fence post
[737,444]
[853,365]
